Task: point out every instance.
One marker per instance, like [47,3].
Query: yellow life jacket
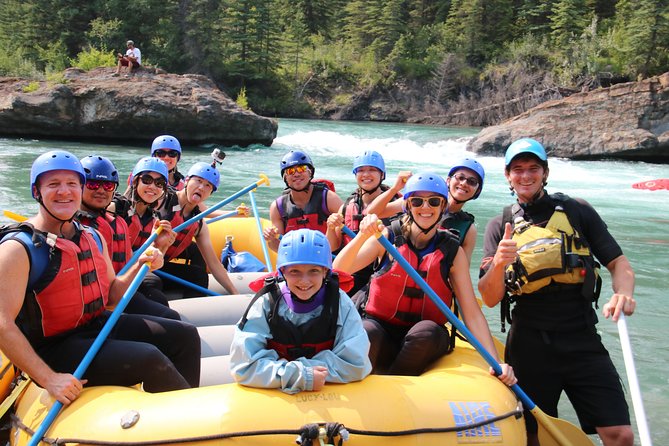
[554,254]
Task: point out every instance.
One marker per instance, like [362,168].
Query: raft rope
[305,435]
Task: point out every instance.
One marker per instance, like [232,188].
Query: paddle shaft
[92,351]
[637,401]
[198,217]
[186,283]
[263,243]
[527,402]
[222,217]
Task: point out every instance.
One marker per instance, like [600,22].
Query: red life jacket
[139,228]
[353,215]
[306,340]
[313,216]
[171,210]
[72,290]
[394,297]
[116,233]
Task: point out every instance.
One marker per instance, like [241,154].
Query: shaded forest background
[470,62]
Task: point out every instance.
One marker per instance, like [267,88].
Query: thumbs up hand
[507,249]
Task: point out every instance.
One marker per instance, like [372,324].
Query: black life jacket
[308,339]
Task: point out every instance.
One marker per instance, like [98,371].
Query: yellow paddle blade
[557,432]
[14,216]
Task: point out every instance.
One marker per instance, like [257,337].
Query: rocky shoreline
[95,105]
[627,121]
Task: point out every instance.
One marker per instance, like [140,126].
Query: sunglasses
[296,169]
[95,185]
[148,180]
[432,201]
[164,153]
[473,182]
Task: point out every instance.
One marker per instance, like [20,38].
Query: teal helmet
[370,158]
[296,158]
[205,171]
[150,164]
[304,247]
[55,160]
[426,182]
[525,146]
[166,142]
[473,165]
[99,168]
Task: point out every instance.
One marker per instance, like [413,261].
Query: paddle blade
[14,216]
[557,432]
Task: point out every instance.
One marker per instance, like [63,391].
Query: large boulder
[626,121]
[96,105]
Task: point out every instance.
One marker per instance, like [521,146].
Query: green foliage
[293,54]
[242,100]
[93,58]
[33,86]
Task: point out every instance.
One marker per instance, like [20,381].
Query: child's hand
[320,373]
[335,221]
[401,180]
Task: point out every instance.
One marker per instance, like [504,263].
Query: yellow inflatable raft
[455,402]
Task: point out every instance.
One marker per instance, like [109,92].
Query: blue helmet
[296,158]
[99,168]
[149,164]
[471,164]
[55,160]
[304,246]
[525,145]
[166,142]
[205,171]
[426,182]
[370,158]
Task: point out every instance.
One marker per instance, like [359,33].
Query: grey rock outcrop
[626,121]
[94,105]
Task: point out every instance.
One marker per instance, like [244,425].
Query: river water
[637,218]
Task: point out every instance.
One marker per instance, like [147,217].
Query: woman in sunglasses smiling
[168,149]
[148,184]
[465,183]
[406,330]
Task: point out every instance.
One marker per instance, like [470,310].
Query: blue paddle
[263,243]
[221,217]
[92,351]
[186,283]
[560,431]
[198,217]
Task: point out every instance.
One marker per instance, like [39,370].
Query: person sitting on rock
[132,59]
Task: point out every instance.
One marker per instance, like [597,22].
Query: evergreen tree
[568,20]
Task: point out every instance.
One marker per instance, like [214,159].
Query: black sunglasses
[473,182]
[164,153]
[432,201]
[148,180]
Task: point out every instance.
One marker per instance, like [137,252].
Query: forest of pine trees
[298,57]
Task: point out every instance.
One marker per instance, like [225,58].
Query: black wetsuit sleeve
[494,231]
[604,247]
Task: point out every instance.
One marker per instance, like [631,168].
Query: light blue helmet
[471,164]
[525,145]
[150,164]
[99,168]
[205,171]
[426,182]
[304,247]
[296,158]
[55,160]
[370,158]
[166,142]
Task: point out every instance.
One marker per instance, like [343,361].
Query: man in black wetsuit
[553,344]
